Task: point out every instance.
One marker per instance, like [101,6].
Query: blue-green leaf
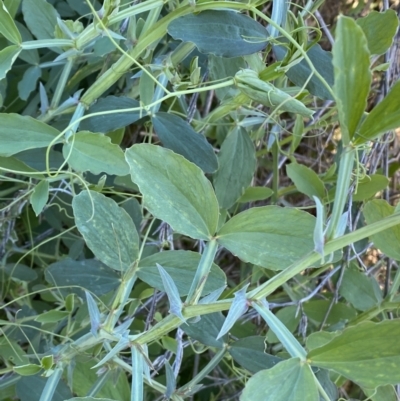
[29,81]
[107,229]
[224,33]
[270,236]
[237,162]
[174,190]
[18,133]
[352,75]
[39,196]
[7,57]
[179,136]
[40,17]
[87,151]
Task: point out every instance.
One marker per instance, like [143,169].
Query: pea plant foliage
[165,232]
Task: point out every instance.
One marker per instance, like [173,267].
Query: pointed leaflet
[379,29]
[368,354]
[352,75]
[39,196]
[179,136]
[387,241]
[7,57]
[181,266]
[29,81]
[174,190]
[223,33]
[289,380]
[269,236]
[384,117]
[369,186]
[40,17]
[18,133]
[107,229]
[7,26]
[87,151]
[306,180]
[237,161]
[113,121]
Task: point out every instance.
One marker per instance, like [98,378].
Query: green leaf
[369,186]
[379,29]
[107,229]
[316,311]
[361,291]
[174,190]
[306,180]
[269,236]
[87,151]
[111,122]
[7,57]
[17,272]
[250,353]
[237,161]
[18,133]
[12,6]
[31,387]
[384,117]
[382,393]
[40,17]
[289,380]
[27,370]
[181,266]
[299,73]
[352,75]
[179,136]
[30,56]
[253,194]
[90,274]
[206,330]
[222,68]
[146,87]
[11,352]
[12,163]
[7,26]
[29,81]
[223,33]
[52,316]
[39,197]
[368,354]
[388,240]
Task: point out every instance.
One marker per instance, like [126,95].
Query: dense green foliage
[191,203]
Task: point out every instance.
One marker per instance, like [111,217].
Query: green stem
[342,189]
[51,385]
[275,172]
[46,43]
[61,84]
[214,362]
[202,272]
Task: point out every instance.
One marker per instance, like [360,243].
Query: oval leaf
[179,136]
[181,266]
[237,162]
[289,380]
[107,229]
[352,74]
[306,180]
[174,190]
[18,133]
[388,240]
[269,236]
[368,354]
[87,151]
[223,33]
[110,122]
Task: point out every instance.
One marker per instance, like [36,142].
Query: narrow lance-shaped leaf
[237,161]
[94,314]
[224,33]
[7,26]
[174,190]
[179,136]
[238,308]
[175,303]
[368,354]
[352,75]
[171,381]
[107,229]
